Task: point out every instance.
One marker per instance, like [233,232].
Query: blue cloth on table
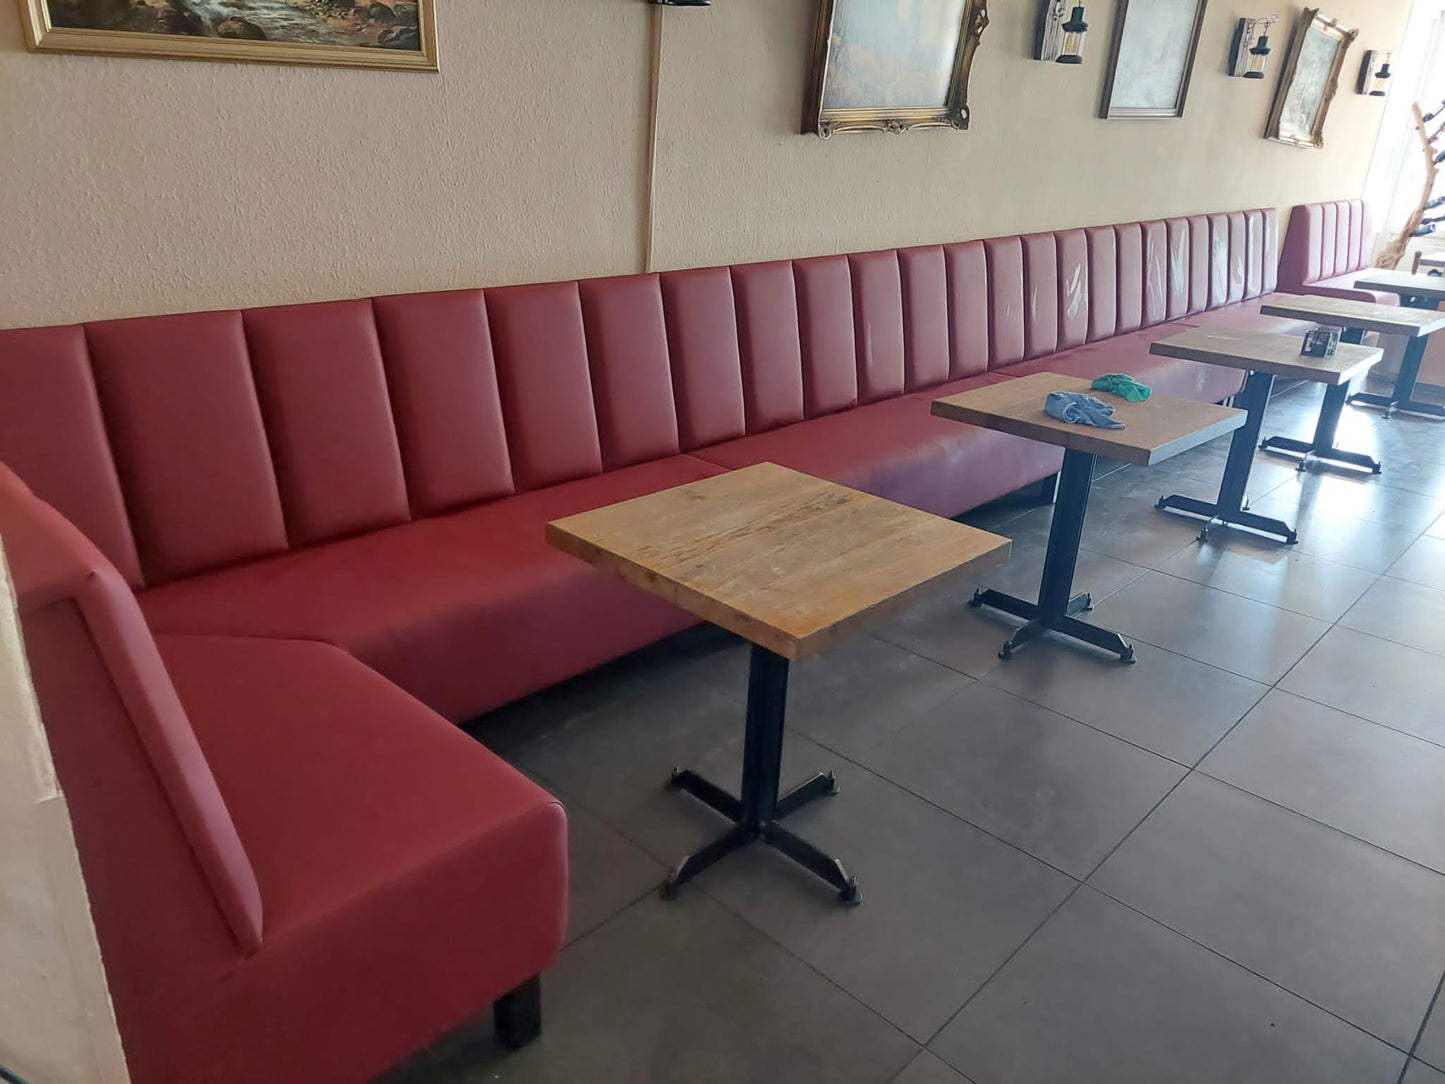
[1080,409]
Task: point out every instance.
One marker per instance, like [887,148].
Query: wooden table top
[1268,352]
[1365,315]
[780,558]
[1403,283]
[1159,427]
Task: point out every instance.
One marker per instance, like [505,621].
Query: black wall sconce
[1061,33]
[1251,49]
[1375,73]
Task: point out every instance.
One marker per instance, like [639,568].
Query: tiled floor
[1225,863]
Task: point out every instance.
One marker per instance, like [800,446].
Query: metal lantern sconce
[1251,47]
[1060,35]
[1375,73]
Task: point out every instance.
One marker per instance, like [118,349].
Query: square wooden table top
[1160,427]
[1268,352]
[1403,283]
[783,559]
[1365,315]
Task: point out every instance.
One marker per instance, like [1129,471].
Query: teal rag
[1126,387]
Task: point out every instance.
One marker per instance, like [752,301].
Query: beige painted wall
[140,186]
[56,1023]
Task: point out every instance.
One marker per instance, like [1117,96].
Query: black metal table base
[1232,506]
[1057,605]
[756,812]
[1402,399]
[1322,447]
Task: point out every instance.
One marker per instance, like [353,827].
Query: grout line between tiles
[1429,1011]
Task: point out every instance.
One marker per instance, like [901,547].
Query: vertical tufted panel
[1329,238]
[1130,239]
[1254,262]
[1073,250]
[767,304]
[323,395]
[878,324]
[1156,272]
[46,391]
[1218,261]
[1006,311]
[1198,263]
[1367,235]
[1271,251]
[1344,227]
[925,316]
[1357,256]
[1103,282]
[631,378]
[969,334]
[1238,255]
[437,349]
[702,341]
[1041,294]
[540,344]
[185,427]
[1178,270]
[825,328]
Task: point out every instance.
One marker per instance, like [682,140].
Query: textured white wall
[139,186]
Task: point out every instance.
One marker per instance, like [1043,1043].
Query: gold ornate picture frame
[1308,80]
[392,34]
[874,71]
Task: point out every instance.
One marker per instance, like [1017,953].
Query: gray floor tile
[1169,704]
[1423,563]
[1407,613]
[864,688]
[1057,789]
[1420,1073]
[1343,924]
[1388,683]
[927,1069]
[685,991]
[1360,543]
[1437,529]
[943,903]
[605,872]
[1275,574]
[1102,993]
[1432,1042]
[947,631]
[1376,784]
[1237,634]
[1359,496]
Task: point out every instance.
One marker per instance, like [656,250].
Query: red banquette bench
[263,557]
[1325,249]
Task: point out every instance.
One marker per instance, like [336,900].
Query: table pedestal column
[1403,397]
[1323,445]
[1055,609]
[757,811]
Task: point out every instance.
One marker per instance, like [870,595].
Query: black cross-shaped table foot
[756,813]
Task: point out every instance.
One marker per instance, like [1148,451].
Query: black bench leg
[518,1014]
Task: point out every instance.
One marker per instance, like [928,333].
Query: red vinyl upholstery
[332,516]
[1325,248]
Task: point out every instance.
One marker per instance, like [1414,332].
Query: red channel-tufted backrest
[1325,240]
[181,444]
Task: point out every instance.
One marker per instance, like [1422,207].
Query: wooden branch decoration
[1394,252]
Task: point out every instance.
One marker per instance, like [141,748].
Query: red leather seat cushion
[1248,316]
[898,450]
[1130,354]
[1344,286]
[400,862]
[466,611]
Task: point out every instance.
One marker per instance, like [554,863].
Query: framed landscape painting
[1308,80]
[1152,58]
[397,34]
[889,67]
